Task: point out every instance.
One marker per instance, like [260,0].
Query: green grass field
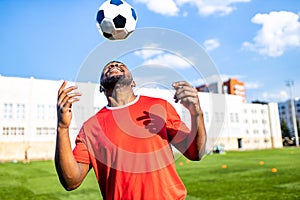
[264,174]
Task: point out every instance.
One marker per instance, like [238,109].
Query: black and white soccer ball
[116,19]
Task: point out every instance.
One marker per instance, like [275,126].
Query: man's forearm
[65,163]
[197,138]
[201,136]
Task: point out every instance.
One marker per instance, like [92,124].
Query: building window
[5,131]
[45,131]
[51,112]
[8,111]
[206,116]
[41,112]
[20,131]
[237,120]
[217,117]
[13,131]
[231,117]
[234,117]
[20,111]
[266,140]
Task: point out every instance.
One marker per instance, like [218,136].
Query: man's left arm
[193,146]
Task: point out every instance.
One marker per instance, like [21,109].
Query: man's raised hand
[65,98]
[187,95]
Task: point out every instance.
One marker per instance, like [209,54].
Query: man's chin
[110,82]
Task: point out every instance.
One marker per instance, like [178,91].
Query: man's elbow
[194,156]
[196,153]
[69,186]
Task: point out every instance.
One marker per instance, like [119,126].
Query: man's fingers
[65,93]
[69,99]
[68,105]
[185,91]
[187,95]
[62,87]
[180,84]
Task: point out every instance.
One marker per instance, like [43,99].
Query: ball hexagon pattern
[116,19]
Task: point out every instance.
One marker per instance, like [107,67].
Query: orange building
[234,87]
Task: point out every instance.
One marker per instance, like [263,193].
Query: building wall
[28,118]
[275,128]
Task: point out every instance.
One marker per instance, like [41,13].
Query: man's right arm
[70,172]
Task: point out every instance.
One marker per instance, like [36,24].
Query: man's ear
[133,84]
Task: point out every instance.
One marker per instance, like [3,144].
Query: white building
[28,118]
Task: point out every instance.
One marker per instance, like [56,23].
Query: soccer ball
[116,19]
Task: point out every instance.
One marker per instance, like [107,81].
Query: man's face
[114,69]
[113,73]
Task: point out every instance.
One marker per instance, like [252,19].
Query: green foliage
[298,126]
[285,132]
[234,175]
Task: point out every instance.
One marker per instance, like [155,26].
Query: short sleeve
[177,129]
[80,151]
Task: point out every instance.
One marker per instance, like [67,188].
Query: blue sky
[256,41]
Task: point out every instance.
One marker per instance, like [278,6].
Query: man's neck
[120,96]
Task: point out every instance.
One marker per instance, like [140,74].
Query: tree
[298,126]
[285,131]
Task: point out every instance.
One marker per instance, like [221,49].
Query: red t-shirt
[129,150]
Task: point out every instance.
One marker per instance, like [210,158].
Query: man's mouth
[114,70]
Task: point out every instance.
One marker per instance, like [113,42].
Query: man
[127,142]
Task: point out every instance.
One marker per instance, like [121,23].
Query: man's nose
[113,65]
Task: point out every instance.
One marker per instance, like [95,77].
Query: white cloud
[275,97]
[168,60]
[209,7]
[164,7]
[211,44]
[216,78]
[161,58]
[198,82]
[205,7]
[280,30]
[253,85]
[148,53]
